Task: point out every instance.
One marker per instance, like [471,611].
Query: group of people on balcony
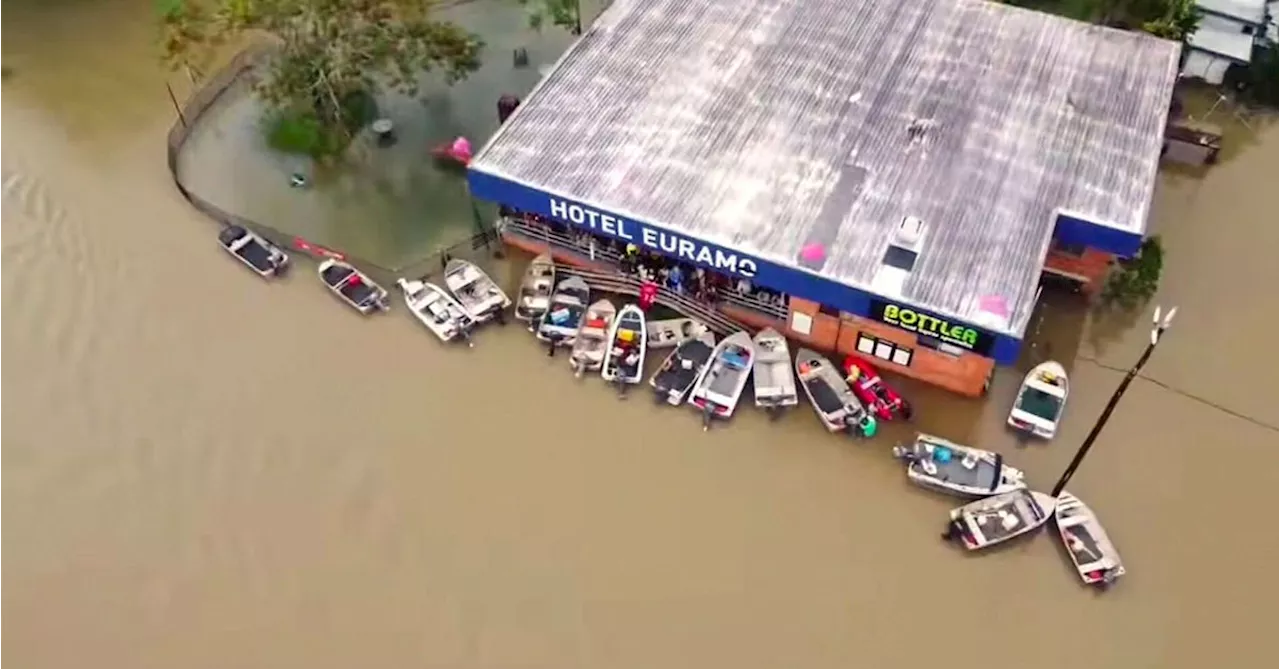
[681,277]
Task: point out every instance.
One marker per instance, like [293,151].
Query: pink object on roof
[994,304]
[814,253]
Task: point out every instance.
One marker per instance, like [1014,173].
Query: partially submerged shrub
[1135,280]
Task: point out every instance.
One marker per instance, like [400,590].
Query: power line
[1187,394]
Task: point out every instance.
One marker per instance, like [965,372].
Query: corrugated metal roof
[765,125]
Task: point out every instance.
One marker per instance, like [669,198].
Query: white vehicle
[591,344]
[535,289]
[563,315]
[939,464]
[773,377]
[474,290]
[719,387]
[624,360]
[353,287]
[836,405]
[1091,550]
[993,520]
[1040,401]
[261,256]
[672,381]
[436,309]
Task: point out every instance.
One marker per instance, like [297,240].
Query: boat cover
[824,396]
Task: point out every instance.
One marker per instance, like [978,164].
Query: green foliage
[331,51]
[1134,281]
[1179,20]
[559,13]
[302,133]
[1170,19]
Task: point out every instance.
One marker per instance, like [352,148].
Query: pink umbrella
[994,304]
[461,149]
[813,254]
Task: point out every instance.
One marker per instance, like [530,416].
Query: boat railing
[587,246]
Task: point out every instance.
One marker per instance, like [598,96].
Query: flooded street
[204,470]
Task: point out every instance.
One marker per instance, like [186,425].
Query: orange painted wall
[1093,265]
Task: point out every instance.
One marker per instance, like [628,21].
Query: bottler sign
[925,325]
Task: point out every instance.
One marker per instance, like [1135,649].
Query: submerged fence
[477,247]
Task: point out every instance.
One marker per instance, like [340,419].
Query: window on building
[1074,250]
[903,259]
[828,311]
[884,349]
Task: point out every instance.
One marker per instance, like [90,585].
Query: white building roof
[1229,43]
[768,125]
[1247,11]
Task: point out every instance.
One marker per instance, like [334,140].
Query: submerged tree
[565,14]
[1179,20]
[1171,19]
[334,55]
[1133,281]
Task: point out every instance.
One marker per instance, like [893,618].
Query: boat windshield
[1040,404]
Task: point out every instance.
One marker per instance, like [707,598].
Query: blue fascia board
[1072,228]
[1004,348]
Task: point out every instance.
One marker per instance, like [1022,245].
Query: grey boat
[671,383]
[837,407]
[956,469]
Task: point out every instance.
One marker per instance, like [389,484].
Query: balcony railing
[588,247]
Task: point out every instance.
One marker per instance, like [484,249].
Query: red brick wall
[1092,266]
[965,374]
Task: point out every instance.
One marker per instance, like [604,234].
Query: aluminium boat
[672,382]
[836,405]
[353,287]
[773,377]
[956,469]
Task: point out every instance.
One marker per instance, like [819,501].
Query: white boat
[1091,550]
[939,464]
[436,309]
[836,405]
[592,341]
[353,287]
[993,520]
[624,359]
[1040,401]
[772,374]
[719,386]
[266,259]
[563,315]
[474,290]
[535,289]
[672,381]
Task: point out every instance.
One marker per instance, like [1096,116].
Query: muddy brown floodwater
[202,470]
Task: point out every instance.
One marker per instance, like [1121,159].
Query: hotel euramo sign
[786,279]
[667,243]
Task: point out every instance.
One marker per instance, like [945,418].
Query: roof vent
[910,233]
[899,257]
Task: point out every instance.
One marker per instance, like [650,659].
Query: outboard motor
[507,105]
[903,453]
